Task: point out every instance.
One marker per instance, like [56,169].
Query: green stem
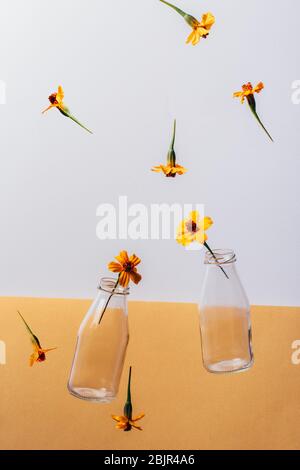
[174,136]
[259,121]
[79,123]
[215,258]
[34,338]
[171,153]
[182,13]
[128,404]
[108,300]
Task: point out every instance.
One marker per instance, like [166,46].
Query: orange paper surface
[186,407]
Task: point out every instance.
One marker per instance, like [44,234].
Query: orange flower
[126,267]
[171,169]
[193,229]
[200,29]
[127,422]
[248,90]
[248,93]
[57,101]
[39,354]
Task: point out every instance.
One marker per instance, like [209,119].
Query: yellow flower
[171,169]
[126,267]
[127,422]
[248,93]
[56,100]
[202,29]
[193,229]
[39,354]
[248,90]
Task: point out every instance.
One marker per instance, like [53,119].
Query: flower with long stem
[193,229]
[171,169]
[200,29]
[39,354]
[247,93]
[127,422]
[57,101]
[127,271]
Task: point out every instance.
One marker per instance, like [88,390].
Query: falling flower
[200,29]
[193,229]
[39,354]
[126,267]
[248,93]
[248,90]
[57,101]
[171,169]
[127,422]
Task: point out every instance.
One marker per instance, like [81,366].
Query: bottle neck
[112,287]
[224,258]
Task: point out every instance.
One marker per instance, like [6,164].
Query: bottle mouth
[220,257]
[108,284]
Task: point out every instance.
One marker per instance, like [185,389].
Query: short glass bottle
[101,345]
[224,316]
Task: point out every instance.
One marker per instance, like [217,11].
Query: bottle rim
[221,256]
[108,284]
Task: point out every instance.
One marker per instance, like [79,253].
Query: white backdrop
[127,73]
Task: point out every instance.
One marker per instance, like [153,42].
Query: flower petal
[135,277]
[60,94]
[118,418]
[49,107]
[208,20]
[134,260]
[194,216]
[124,279]
[33,358]
[136,427]
[157,169]
[115,267]
[142,415]
[206,223]
[122,257]
[259,87]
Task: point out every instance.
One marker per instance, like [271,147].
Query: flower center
[128,267]
[192,227]
[52,98]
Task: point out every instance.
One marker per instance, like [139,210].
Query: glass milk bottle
[224,316]
[101,345]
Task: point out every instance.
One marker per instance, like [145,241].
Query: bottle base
[229,367]
[101,395]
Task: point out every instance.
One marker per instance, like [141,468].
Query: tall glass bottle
[101,345]
[224,316]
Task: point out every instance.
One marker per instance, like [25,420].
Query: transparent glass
[101,346]
[224,316]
